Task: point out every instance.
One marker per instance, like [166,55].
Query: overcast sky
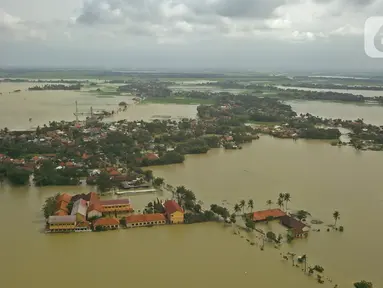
[190,34]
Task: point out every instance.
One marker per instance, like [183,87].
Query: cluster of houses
[87,212]
[296,228]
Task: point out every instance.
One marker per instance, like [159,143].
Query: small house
[297,228]
[174,212]
[264,215]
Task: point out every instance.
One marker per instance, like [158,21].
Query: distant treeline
[23,80]
[55,87]
[334,86]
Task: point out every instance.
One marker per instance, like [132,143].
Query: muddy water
[319,177]
[45,106]
[372,114]
[365,93]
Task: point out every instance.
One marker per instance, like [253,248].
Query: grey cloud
[247,8]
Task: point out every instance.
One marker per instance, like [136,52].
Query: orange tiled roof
[262,215]
[62,205]
[95,206]
[83,224]
[61,213]
[64,197]
[172,206]
[113,202]
[106,222]
[151,156]
[145,218]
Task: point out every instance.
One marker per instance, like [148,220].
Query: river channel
[319,177]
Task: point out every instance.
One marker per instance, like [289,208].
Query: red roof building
[106,223]
[151,156]
[172,206]
[145,220]
[263,215]
[64,197]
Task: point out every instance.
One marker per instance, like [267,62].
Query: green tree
[148,174]
[103,182]
[49,206]
[242,204]
[237,208]
[269,203]
[363,284]
[280,203]
[158,182]
[336,216]
[287,198]
[250,205]
[18,176]
[233,218]
[271,236]
[250,225]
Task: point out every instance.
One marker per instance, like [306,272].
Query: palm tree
[287,199]
[242,204]
[237,208]
[269,203]
[336,216]
[250,205]
[280,203]
[282,196]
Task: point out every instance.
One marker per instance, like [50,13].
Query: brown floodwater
[319,177]
[45,106]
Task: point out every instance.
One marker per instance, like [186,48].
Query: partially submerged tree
[336,216]
[49,206]
[363,284]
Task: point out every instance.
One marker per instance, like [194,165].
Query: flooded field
[372,114]
[365,93]
[319,177]
[45,106]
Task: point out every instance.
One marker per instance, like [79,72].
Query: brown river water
[319,177]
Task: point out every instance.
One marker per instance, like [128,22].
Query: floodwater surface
[365,93]
[319,177]
[45,106]
[372,114]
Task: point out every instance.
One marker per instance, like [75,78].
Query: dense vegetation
[55,87]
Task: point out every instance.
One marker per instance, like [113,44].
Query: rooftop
[64,197]
[113,202]
[62,205]
[106,222]
[79,207]
[172,206]
[293,223]
[145,218]
[62,219]
[264,214]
